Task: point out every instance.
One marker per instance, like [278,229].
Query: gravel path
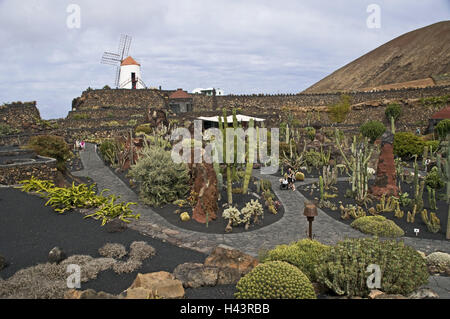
[292,227]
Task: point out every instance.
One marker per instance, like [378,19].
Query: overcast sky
[245,46]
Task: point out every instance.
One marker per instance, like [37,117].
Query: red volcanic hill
[417,58]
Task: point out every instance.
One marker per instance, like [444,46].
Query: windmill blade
[117,77]
[124,45]
[110,58]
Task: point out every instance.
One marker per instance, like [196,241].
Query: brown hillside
[418,54]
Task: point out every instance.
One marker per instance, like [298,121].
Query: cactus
[250,160]
[322,197]
[432,197]
[433,223]
[398,212]
[357,163]
[387,206]
[392,125]
[329,175]
[223,126]
[410,217]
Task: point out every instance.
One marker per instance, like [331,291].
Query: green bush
[372,130]
[143,128]
[304,254]
[344,269]
[109,150]
[161,180]
[338,112]
[377,225]
[51,146]
[407,144]
[393,110]
[275,280]
[443,128]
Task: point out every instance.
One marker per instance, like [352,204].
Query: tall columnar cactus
[357,164]
[287,134]
[250,159]
[392,125]
[223,127]
[235,126]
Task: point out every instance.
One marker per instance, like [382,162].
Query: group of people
[287,182]
[80,145]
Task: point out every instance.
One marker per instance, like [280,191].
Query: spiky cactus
[223,127]
[357,163]
[250,159]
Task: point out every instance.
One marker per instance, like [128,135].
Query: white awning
[240,118]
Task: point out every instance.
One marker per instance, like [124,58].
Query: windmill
[117,58]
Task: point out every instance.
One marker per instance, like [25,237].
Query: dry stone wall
[19,115]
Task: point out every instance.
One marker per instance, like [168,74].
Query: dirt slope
[415,55]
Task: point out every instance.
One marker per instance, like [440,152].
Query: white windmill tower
[128,72]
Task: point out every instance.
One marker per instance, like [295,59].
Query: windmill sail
[117,58]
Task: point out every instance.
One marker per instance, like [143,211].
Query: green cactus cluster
[344,269]
[378,226]
[275,280]
[304,254]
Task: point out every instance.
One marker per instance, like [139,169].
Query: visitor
[77,145]
[291,179]
[284,184]
[82,145]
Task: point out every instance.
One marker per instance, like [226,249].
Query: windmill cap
[129,61]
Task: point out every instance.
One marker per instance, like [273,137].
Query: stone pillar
[386,180]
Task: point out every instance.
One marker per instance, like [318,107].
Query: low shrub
[161,180]
[344,269]
[304,254]
[372,130]
[338,112]
[407,144]
[275,280]
[143,128]
[51,146]
[132,122]
[393,110]
[377,225]
[109,150]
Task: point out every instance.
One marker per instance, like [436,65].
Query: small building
[208,91]
[213,121]
[130,75]
[180,101]
[437,117]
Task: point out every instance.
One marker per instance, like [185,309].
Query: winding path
[292,227]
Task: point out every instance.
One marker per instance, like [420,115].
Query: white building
[208,91]
[130,75]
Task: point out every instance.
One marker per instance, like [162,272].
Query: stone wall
[14,173]
[144,98]
[19,115]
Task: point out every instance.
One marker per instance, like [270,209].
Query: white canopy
[239,117]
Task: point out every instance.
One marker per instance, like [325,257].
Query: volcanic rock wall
[19,115]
